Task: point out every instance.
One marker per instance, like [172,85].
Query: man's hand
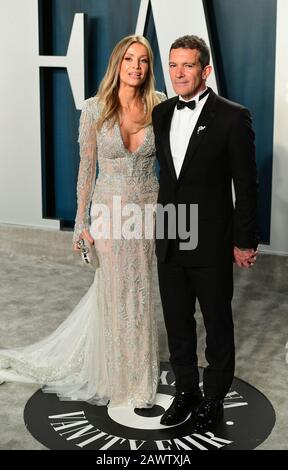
[245,258]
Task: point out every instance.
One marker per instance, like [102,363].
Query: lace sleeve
[87,169]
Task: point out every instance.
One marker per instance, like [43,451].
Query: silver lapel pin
[200,128]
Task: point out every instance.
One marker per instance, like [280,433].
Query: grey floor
[41,280]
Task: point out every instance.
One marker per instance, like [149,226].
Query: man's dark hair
[194,42]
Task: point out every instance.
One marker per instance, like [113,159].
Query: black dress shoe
[209,413]
[181,407]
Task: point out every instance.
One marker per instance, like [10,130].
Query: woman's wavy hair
[109,86]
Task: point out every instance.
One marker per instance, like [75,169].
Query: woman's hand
[86,235]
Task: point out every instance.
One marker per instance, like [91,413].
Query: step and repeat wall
[54,54]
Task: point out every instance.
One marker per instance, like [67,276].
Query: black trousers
[213,287]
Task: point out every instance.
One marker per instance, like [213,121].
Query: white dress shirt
[182,125]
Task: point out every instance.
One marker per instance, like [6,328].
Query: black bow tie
[190,104]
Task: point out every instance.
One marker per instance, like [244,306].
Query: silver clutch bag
[88,253]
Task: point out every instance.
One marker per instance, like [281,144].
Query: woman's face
[134,66]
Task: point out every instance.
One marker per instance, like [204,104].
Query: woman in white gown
[106,351]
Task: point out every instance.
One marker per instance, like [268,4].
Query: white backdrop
[20,151]
[279,214]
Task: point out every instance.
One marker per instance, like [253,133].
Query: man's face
[187,76]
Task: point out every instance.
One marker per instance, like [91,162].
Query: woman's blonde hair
[109,86]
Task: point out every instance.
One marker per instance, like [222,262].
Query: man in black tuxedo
[203,143]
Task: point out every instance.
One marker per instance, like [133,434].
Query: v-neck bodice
[117,125]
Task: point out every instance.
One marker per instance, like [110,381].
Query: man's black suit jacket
[221,149]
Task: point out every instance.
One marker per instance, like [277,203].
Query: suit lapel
[166,123]
[201,127]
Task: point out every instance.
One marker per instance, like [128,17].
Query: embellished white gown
[106,351]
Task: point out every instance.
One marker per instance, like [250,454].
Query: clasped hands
[245,258]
